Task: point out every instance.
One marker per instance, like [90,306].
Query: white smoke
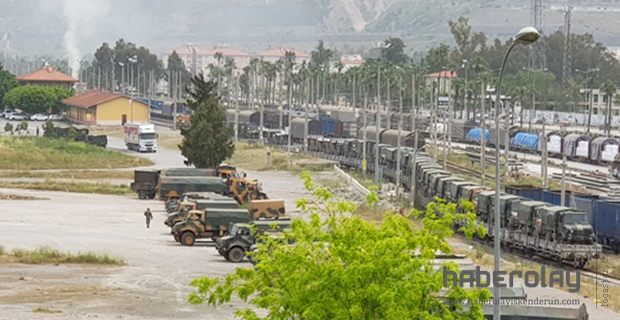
[81,19]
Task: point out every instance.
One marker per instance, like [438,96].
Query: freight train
[337,122]
[549,230]
[562,234]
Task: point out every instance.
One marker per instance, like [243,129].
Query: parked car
[39,117]
[17,116]
[6,113]
[56,117]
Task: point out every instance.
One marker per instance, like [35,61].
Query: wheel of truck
[176,237]
[142,195]
[235,254]
[262,196]
[188,238]
[152,195]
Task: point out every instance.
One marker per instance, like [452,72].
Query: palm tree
[229,68]
[609,88]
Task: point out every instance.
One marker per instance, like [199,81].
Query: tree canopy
[208,141]
[37,99]
[341,266]
[7,82]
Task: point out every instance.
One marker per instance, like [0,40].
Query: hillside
[38,26]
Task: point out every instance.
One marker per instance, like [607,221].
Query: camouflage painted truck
[267,209]
[180,185]
[198,205]
[210,223]
[243,235]
[173,205]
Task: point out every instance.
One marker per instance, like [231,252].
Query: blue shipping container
[524,140]
[328,126]
[475,134]
[606,221]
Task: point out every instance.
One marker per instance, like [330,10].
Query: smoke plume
[81,18]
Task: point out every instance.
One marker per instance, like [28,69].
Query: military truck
[245,190]
[188,172]
[173,204]
[267,209]
[198,205]
[565,225]
[243,235]
[526,216]
[145,183]
[209,223]
[181,185]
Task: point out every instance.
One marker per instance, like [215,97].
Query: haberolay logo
[531,279]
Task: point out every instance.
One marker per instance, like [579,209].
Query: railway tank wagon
[603,149]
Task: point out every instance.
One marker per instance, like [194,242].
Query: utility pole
[413,168]
[306,116]
[466,66]
[450,119]
[543,167]
[290,109]
[413,103]
[236,109]
[388,106]
[563,193]
[398,144]
[483,135]
[364,142]
[507,115]
[434,120]
[378,125]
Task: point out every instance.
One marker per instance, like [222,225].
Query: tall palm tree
[609,88]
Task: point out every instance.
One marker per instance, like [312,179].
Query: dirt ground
[153,285]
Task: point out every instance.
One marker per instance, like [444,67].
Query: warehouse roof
[47,74]
[93,98]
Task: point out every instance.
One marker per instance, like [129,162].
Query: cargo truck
[140,137]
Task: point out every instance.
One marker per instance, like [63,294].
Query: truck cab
[140,137]
[566,225]
[243,235]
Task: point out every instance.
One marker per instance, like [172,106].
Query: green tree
[344,267]
[208,140]
[8,127]
[36,99]
[7,82]
[394,51]
[178,68]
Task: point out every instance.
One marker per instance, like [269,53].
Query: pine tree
[208,141]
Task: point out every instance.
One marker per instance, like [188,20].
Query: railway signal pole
[563,193]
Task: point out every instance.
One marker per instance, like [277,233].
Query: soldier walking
[149,216]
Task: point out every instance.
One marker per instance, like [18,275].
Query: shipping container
[606,222]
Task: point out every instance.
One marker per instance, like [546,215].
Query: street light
[525,36]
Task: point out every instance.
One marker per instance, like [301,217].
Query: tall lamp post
[525,36]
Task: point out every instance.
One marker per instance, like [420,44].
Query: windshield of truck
[147,136]
[575,218]
[234,230]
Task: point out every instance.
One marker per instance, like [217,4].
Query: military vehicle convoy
[558,233]
[243,236]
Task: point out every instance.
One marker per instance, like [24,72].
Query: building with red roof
[98,107]
[47,76]
[443,80]
[275,54]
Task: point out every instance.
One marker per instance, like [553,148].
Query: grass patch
[70,174]
[254,157]
[31,153]
[45,255]
[45,310]
[79,187]
[169,139]
[365,181]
